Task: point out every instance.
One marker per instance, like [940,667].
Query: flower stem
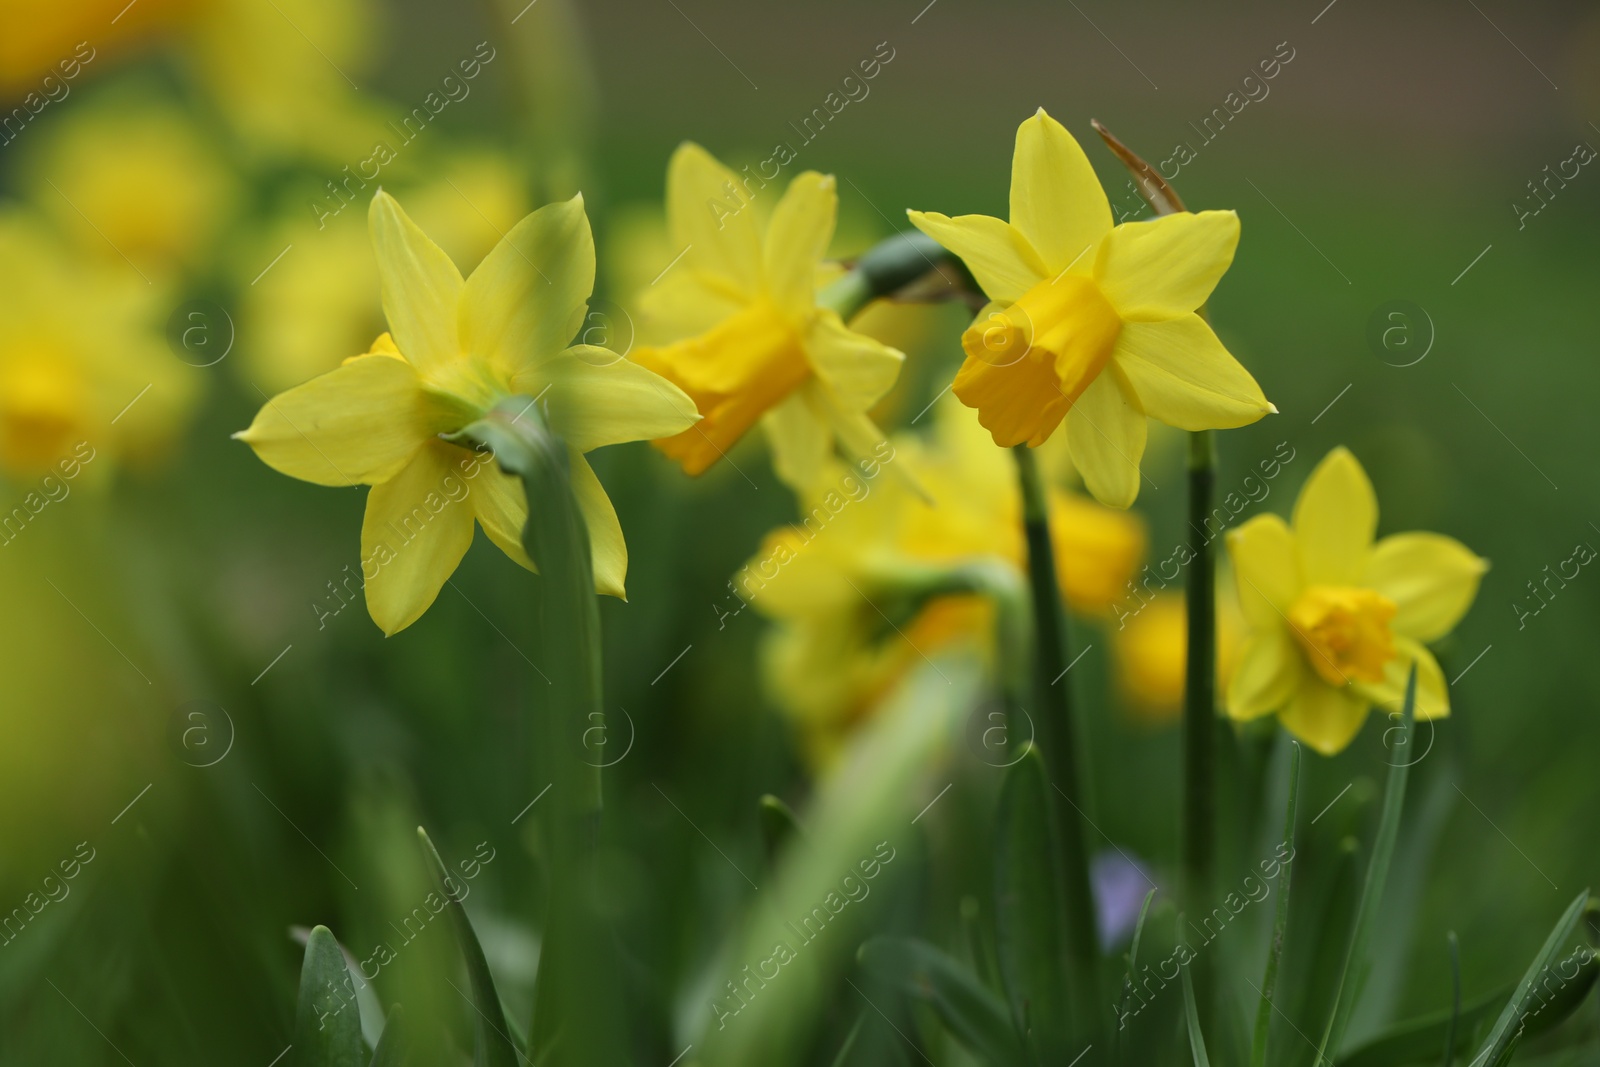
[577,974]
[1057,737]
[1199,703]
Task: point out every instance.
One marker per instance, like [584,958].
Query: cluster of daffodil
[1089,324]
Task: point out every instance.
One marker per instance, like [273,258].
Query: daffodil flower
[1089,323]
[455,348]
[1335,621]
[756,345]
[865,536]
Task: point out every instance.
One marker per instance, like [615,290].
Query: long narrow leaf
[394,1050]
[492,1045]
[1128,979]
[1455,1000]
[1030,917]
[1280,921]
[1197,1041]
[327,1024]
[1356,962]
[973,1015]
[1509,1026]
[1419,1040]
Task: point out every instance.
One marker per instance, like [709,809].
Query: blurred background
[195,699]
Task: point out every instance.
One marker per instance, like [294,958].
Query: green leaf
[1132,959]
[972,1014]
[1029,917]
[1197,1041]
[843,1058]
[394,1049]
[1280,921]
[327,1023]
[779,825]
[1357,962]
[492,1045]
[1519,1010]
[1421,1040]
[1455,1000]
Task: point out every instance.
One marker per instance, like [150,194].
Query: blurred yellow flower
[1089,323]
[455,348]
[321,298]
[42,41]
[1336,621]
[756,345]
[835,653]
[282,73]
[1149,654]
[163,202]
[84,369]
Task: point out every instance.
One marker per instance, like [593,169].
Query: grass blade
[1030,917]
[1455,1000]
[394,1050]
[1197,1041]
[1132,959]
[779,826]
[973,1015]
[1356,962]
[1280,921]
[1419,1041]
[1513,1019]
[492,1042]
[327,1024]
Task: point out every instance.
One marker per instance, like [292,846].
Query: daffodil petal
[681,303]
[709,216]
[1325,718]
[1433,696]
[1185,378]
[797,238]
[359,423]
[1106,433]
[801,439]
[501,505]
[414,535]
[1056,200]
[859,369]
[606,546]
[421,286]
[1335,518]
[1266,568]
[526,300]
[1164,267]
[593,397]
[1270,672]
[1431,578]
[996,253]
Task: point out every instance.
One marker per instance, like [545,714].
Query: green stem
[1199,704]
[577,990]
[1057,737]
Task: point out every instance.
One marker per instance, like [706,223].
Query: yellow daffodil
[1092,323]
[55,41]
[84,371]
[1335,621]
[754,345]
[834,654]
[455,348]
[303,307]
[1150,652]
[161,205]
